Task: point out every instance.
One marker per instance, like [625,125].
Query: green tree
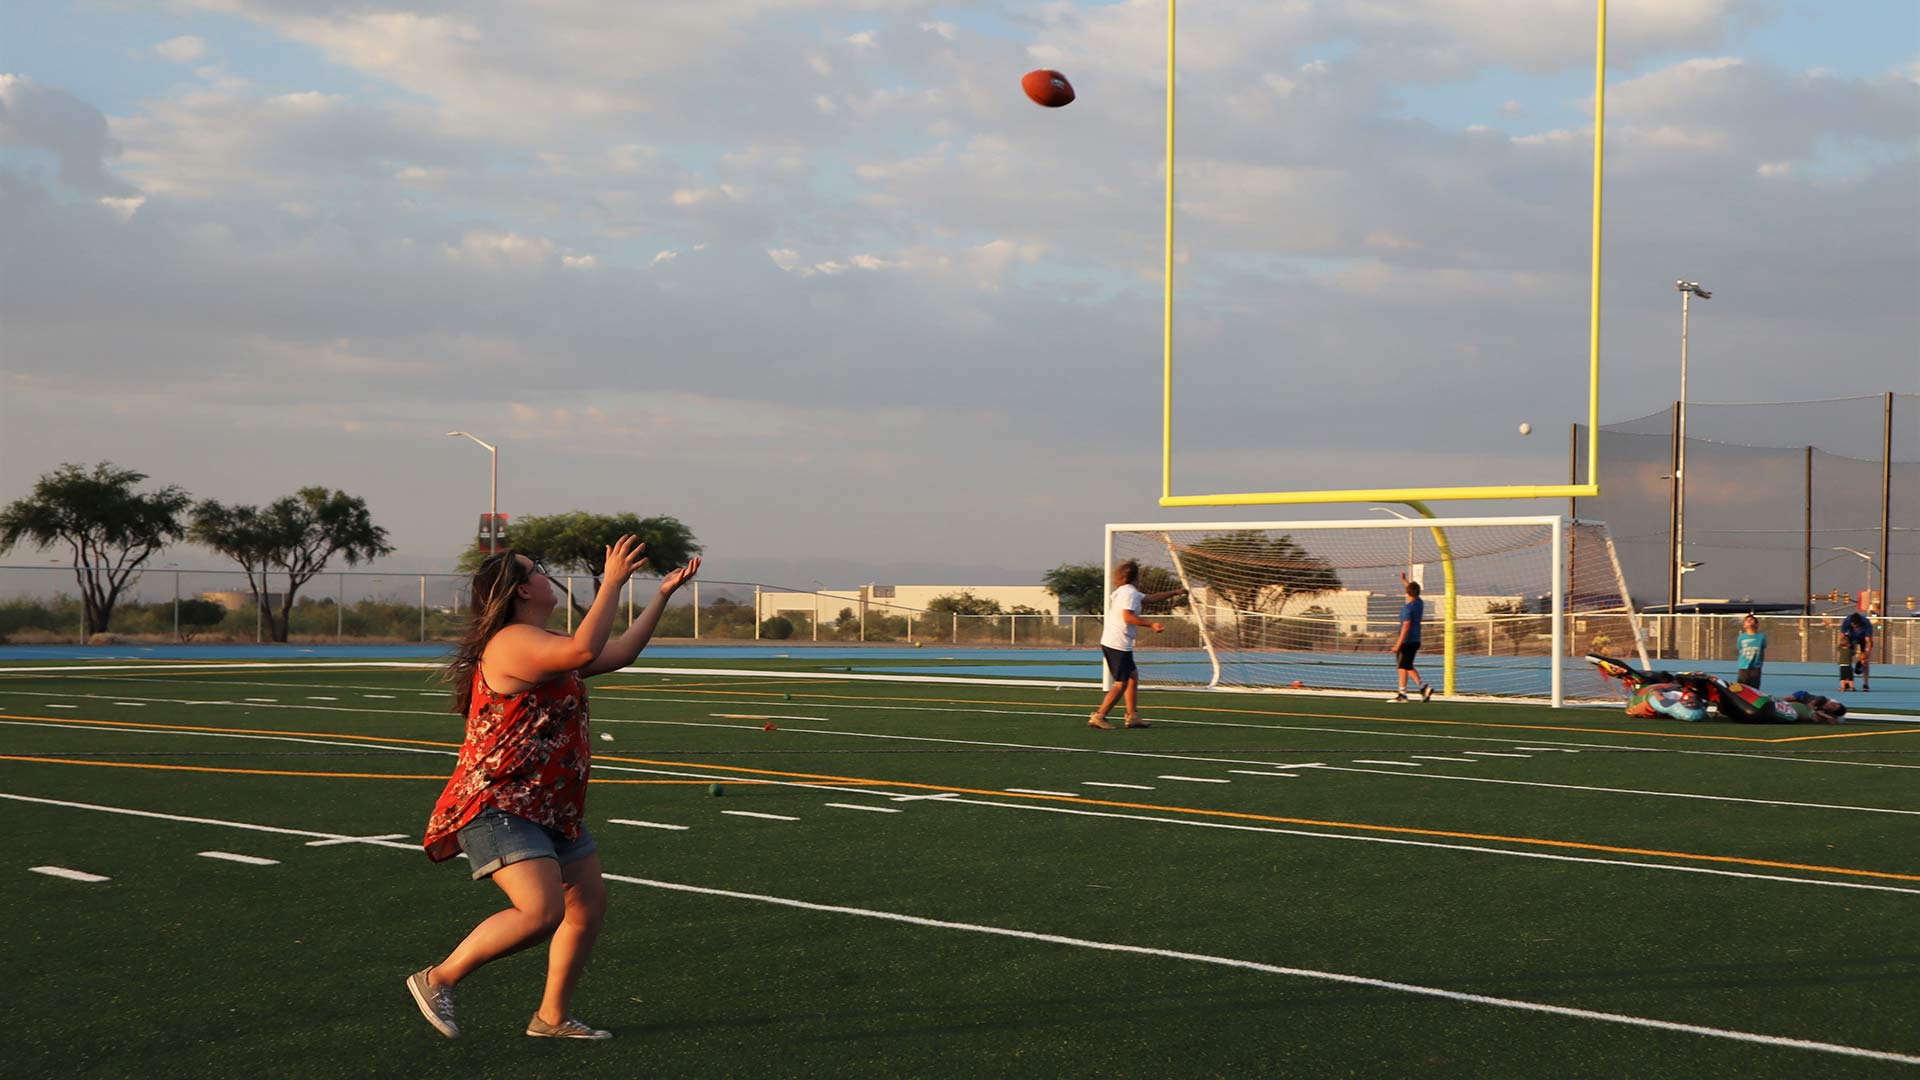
[964,603]
[1251,571]
[577,542]
[298,534]
[1081,588]
[111,529]
[197,615]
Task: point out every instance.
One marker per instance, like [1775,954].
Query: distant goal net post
[1512,604]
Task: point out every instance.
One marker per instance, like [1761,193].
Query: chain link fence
[40,605]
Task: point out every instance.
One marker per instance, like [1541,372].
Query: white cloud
[502,249]
[181,50]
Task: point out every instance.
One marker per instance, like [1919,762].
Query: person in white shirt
[1116,643]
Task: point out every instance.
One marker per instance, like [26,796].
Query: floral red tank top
[525,754]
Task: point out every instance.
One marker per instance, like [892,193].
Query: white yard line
[1197,779]
[1493,753]
[1250,772]
[250,860]
[753,814]
[357,839]
[1037,791]
[321,697]
[647,824]
[63,706]
[1430,757]
[1402,764]
[1130,787]
[868,809]
[70,875]
[1302,973]
[132,704]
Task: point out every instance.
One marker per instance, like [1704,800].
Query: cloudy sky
[813,276]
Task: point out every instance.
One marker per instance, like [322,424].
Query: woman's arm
[531,655]
[623,649]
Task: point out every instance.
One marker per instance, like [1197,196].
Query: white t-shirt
[1118,633]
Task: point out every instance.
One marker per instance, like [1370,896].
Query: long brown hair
[493,602]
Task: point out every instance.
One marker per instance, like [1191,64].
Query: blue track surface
[1894,687]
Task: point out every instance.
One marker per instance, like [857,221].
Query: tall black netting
[1756,474]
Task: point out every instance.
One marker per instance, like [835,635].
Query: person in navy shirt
[1858,630]
[1408,643]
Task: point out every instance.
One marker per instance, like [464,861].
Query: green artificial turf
[1555,886]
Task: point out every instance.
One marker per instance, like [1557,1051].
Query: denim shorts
[495,838]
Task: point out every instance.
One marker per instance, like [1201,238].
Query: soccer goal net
[1512,605]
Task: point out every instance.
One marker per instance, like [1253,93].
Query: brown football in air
[1047,87]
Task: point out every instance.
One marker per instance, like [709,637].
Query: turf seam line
[1276,969]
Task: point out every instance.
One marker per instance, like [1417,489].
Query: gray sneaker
[436,1002]
[565,1029]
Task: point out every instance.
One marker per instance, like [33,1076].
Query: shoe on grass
[436,1002]
[565,1029]
[1095,720]
[1426,692]
[1134,721]
[1398,697]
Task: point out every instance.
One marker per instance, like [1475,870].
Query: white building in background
[1355,611]
[898,599]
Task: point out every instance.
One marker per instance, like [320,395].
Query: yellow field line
[1363,826]
[228,730]
[1255,712]
[1532,841]
[215,769]
[730,682]
[441,777]
[1849,735]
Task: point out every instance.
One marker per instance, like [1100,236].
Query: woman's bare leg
[534,888]
[586,909]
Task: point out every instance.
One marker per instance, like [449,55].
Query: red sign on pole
[493,531]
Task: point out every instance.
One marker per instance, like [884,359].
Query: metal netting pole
[1806,572]
[1886,510]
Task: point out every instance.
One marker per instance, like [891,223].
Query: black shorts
[1120,663]
[1403,656]
[1750,676]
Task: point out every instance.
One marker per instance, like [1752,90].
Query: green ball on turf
[716,790]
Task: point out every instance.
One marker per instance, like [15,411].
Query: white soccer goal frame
[1558,525]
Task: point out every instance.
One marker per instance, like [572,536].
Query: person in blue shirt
[1408,643]
[1752,648]
[1858,630]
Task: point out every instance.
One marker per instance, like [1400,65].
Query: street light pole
[1868,559]
[493,493]
[1688,290]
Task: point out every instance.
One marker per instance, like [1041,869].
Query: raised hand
[672,582]
[623,559]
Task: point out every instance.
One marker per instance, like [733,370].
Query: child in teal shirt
[1752,648]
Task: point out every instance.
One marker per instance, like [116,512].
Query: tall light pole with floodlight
[1871,566]
[1688,290]
[493,492]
